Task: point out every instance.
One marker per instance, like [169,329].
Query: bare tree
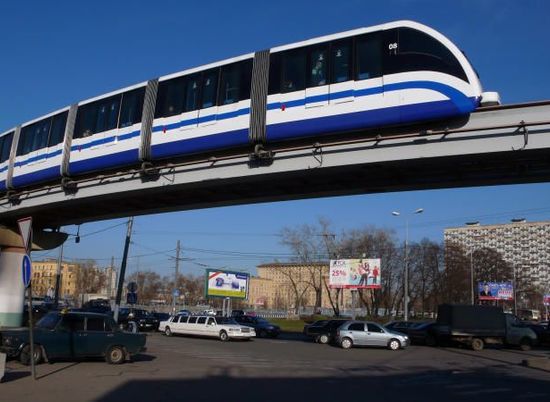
[90,279]
[149,285]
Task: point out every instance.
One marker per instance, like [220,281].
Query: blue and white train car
[397,73]
[6,140]
[107,131]
[38,155]
[203,109]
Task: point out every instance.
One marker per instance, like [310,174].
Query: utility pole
[123,268]
[176,274]
[58,276]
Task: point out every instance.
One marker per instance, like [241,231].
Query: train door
[293,84]
[342,85]
[190,116]
[369,83]
[208,108]
[317,90]
[5,149]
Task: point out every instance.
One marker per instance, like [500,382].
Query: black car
[160,317]
[143,319]
[263,327]
[72,335]
[421,334]
[402,326]
[323,331]
[542,331]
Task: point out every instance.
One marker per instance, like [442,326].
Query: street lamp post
[406,284]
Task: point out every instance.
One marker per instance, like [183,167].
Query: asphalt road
[287,369]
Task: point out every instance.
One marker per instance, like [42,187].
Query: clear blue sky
[57,53]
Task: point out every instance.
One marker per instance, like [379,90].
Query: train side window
[229,84]
[107,114]
[209,88]
[5,147]
[274,73]
[132,107]
[170,98]
[246,79]
[418,51]
[294,70]
[368,56]
[85,120]
[192,88]
[341,61]
[235,82]
[57,132]
[34,137]
[318,67]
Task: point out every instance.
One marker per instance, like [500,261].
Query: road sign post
[25,230]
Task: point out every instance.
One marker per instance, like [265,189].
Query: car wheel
[25,355]
[525,344]
[167,331]
[223,336]
[477,344]
[324,339]
[346,343]
[394,344]
[115,355]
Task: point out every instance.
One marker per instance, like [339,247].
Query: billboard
[495,291]
[355,274]
[226,284]
[546,300]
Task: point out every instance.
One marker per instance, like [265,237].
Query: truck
[479,325]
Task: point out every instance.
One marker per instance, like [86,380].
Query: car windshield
[49,321]
[226,320]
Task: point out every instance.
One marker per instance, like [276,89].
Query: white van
[224,328]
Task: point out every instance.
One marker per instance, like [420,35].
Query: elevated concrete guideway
[498,145]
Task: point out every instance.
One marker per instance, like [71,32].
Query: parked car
[312,329]
[326,332]
[72,335]
[262,327]
[361,333]
[542,331]
[144,319]
[402,326]
[419,334]
[160,317]
[224,328]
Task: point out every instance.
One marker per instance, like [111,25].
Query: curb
[540,363]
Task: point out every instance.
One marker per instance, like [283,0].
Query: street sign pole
[31,336]
[25,230]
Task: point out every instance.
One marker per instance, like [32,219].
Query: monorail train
[393,74]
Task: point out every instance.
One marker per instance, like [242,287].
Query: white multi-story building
[524,244]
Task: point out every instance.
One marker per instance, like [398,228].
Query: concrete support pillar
[12,291]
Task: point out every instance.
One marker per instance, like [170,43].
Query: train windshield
[412,50]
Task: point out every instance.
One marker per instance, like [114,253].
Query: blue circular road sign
[26,268]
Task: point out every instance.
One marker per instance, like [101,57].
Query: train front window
[417,51]
[132,106]
[57,132]
[5,147]
[294,70]
[318,67]
[209,88]
[341,61]
[368,56]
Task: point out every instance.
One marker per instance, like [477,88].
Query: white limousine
[224,328]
